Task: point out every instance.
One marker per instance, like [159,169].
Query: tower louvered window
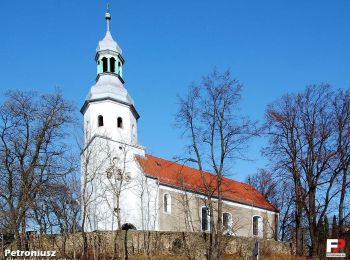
[104,64]
[112,64]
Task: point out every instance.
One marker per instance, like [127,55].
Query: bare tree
[283,152]
[304,143]
[265,183]
[209,115]
[277,189]
[93,166]
[32,147]
[341,112]
[147,192]
[118,181]
[118,176]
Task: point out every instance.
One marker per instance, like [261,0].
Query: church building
[123,185]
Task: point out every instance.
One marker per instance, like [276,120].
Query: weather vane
[108,16]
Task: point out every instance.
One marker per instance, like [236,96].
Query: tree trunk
[211,249]
[341,203]
[298,217]
[314,242]
[85,245]
[298,234]
[219,226]
[313,222]
[24,235]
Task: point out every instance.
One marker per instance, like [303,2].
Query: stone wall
[103,245]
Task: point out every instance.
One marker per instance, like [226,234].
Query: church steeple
[110,139]
[108,108]
[109,57]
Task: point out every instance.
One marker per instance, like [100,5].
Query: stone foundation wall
[103,245]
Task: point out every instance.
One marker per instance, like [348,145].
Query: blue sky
[273,47]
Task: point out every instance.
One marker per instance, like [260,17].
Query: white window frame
[208,218]
[230,220]
[167,210]
[260,226]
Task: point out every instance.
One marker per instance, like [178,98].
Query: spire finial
[108,16]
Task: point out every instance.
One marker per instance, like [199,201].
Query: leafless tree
[277,190]
[93,167]
[304,142]
[118,181]
[147,192]
[209,115]
[341,112]
[32,147]
[265,183]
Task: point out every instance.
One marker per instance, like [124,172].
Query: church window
[205,219]
[257,226]
[133,131]
[112,64]
[226,220]
[120,122]
[167,203]
[119,66]
[100,120]
[227,223]
[87,128]
[104,64]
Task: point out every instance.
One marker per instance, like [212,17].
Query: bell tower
[109,57]
[108,109]
[109,171]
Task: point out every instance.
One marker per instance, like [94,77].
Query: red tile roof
[180,176]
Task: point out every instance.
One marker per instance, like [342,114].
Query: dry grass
[159,257]
[226,257]
[284,257]
[270,257]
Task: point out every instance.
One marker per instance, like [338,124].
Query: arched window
[104,64]
[133,132]
[167,203]
[258,227]
[112,64]
[205,225]
[227,220]
[120,122]
[119,66]
[100,120]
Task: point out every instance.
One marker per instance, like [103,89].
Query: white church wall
[110,113]
[133,196]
